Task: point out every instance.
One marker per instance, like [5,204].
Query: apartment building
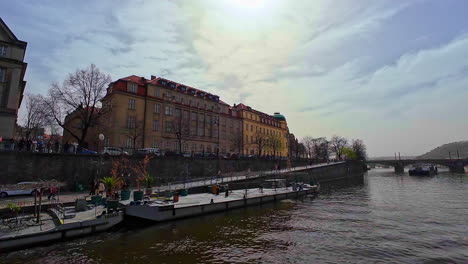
[263,134]
[12,85]
[171,116]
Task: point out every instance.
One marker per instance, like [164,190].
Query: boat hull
[167,213]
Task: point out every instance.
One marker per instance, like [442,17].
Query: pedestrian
[28,145]
[57,146]
[21,144]
[227,191]
[49,147]
[93,187]
[52,192]
[101,188]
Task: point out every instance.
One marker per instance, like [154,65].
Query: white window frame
[157,108]
[131,122]
[132,104]
[3,50]
[155,125]
[132,88]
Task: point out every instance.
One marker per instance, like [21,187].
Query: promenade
[68,197]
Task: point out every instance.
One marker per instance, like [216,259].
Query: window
[155,144]
[168,126]
[156,125]
[131,120]
[3,50]
[251,128]
[194,116]
[247,139]
[168,145]
[208,149]
[169,110]
[156,92]
[2,74]
[157,108]
[132,88]
[185,147]
[129,143]
[177,112]
[194,147]
[131,104]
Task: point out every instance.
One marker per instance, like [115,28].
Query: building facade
[12,85]
[160,113]
[263,134]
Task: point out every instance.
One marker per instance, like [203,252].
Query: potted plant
[112,184]
[141,169]
[125,192]
[148,180]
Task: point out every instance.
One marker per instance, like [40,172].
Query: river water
[387,219]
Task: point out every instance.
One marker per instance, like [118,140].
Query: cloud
[358,69]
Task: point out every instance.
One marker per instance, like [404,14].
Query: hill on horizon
[442,152]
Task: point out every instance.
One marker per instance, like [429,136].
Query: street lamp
[101,140]
[216,122]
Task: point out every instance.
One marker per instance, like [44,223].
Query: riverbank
[387,218]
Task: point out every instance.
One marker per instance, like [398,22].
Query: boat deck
[208,198]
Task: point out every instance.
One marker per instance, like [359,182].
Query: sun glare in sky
[252,4]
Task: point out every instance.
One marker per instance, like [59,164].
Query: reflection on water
[389,218]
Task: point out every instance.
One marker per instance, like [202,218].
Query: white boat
[204,203]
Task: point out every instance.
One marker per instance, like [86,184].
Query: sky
[393,73]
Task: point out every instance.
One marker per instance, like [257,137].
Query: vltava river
[388,219]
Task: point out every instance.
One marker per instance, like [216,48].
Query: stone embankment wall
[81,169]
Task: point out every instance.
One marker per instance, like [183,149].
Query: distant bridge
[455,165]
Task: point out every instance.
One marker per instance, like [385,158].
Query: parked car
[186,154]
[113,151]
[170,154]
[86,151]
[145,151]
[23,188]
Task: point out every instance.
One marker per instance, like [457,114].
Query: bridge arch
[455,166]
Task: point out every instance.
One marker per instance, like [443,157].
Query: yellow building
[12,85]
[263,134]
[159,113]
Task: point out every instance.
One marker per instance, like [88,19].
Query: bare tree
[336,145]
[308,143]
[181,129]
[360,149]
[274,143]
[260,141]
[320,148]
[237,141]
[80,93]
[134,132]
[35,118]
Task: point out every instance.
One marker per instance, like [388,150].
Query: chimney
[153,77]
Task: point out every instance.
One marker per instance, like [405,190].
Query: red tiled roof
[142,81]
[242,106]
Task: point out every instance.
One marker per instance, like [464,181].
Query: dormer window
[3,50]
[182,88]
[191,91]
[172,85]
[132,87]
[162,82]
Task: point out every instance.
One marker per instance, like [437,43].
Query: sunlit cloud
[383,71]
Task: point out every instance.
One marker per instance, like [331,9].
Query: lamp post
[101,140]
[216,122]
